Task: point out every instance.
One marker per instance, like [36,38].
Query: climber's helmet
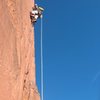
[40,8]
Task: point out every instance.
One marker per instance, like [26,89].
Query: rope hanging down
[42,88]
[34,15]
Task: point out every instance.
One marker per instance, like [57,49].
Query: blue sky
[71,49]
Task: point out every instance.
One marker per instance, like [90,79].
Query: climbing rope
[42,89]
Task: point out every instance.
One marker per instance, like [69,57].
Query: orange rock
[17,58]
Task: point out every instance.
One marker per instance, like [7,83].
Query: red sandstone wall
[17,65]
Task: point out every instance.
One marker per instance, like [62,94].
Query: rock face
[17,58]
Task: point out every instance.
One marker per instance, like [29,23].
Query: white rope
[42,89]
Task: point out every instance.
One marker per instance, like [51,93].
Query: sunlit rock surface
[17,58]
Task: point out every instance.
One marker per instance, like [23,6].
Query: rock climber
[36,13]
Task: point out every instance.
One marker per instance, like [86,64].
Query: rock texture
[17,59]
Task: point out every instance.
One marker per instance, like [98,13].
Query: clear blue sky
[71,47]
